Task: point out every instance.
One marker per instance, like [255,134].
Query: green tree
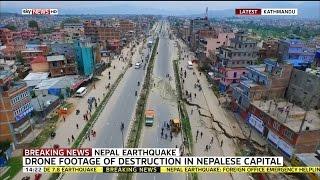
[11,27]
[68,90]
[4,146]
[19,58]
[33,24]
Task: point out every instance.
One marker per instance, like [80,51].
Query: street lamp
[122,128]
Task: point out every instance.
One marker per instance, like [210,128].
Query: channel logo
[39,11]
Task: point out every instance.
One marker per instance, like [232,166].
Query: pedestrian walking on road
[211,142]
[162,129]
[201,134]
[89,137]
[72,137]
[197,132]
[195,95]
[161,134]
[221,143]
[77,125]
[206,148]
[171,137]
[191,111]
[166,136]
[109,77]
[68,140]
[64,119]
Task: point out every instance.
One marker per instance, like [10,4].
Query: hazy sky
[189,6]
[179,5]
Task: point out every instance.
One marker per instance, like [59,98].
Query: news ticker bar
[179,169]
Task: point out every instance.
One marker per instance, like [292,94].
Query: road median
[135,131]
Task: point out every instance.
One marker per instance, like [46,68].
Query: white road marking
[110,140]
[94,177]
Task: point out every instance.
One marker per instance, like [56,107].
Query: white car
[137,65]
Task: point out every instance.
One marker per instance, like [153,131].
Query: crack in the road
[221,126]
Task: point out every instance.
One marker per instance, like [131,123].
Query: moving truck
[149,116]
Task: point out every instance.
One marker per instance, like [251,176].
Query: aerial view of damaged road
[174,90]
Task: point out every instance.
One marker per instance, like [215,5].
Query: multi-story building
[184,31]
[6,36]
[107,36]
[269,49]
[295,52]
[73,26]
[234,59]
[196,25]
[29,54]
[8,53]
[15,109]
[287,127]
[212,42]
[85,58]
[268,80]
[73,31]
[27,34]
[304,89]
[126,26]
[60,66]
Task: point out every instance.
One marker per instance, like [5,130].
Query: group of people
[168,76]
[167,127]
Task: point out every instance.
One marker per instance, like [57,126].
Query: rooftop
[39,59]
[41,102]
[295,114]
[60,82]
[56,58]
[5,74]
[309,159]
[36,76]
[33,79]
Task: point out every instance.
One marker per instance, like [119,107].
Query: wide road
[119,109]
[162,100]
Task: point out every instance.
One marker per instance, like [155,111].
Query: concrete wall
[307,142]
[304,89]
[40,67]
